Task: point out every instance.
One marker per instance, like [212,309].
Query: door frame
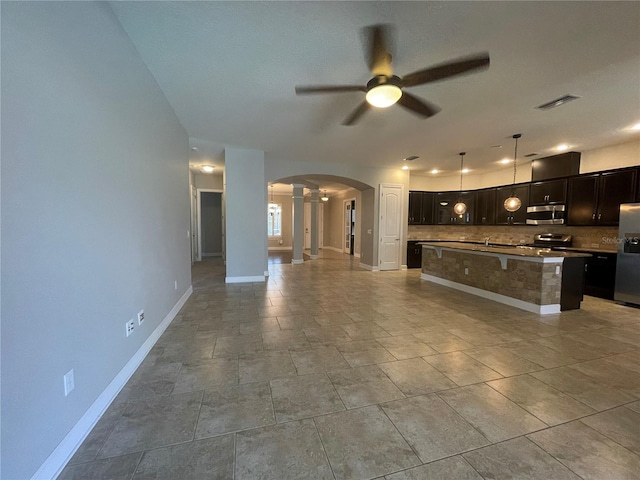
[345,202]
[199,217]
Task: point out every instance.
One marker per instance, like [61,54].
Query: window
[274,220]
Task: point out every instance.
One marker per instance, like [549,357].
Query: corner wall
[80,257]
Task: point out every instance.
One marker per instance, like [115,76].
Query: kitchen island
[538,280]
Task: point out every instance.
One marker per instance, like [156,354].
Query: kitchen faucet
[486,241]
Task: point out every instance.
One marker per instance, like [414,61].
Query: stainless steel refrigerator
[628,263]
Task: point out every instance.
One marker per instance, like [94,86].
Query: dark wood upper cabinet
[415,208]
[485,207]
[638,185]
[582,200]
[421,208]
[428,199]
[444,206]
[595,199]
[519,217]
[561,165]
[548,193]
[615,188]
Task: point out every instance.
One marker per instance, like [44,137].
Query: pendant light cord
[515,156]
[462,154]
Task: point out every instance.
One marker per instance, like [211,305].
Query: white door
[390,226]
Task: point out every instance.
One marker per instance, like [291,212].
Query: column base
[296,261]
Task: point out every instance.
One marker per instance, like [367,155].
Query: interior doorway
[307,225]
[210,224]
[349,226]
[390,228]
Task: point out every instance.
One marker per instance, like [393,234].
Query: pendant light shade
[513,203]
[324,197]
[460,208]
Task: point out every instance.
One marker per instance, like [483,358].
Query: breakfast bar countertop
[516,250]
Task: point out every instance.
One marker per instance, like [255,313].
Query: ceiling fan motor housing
[384,80]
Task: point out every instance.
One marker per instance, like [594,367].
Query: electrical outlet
[69,382]
[129,326]
[140,317]
[557,269]
[466,271]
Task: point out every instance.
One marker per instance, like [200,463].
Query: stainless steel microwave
[546,215]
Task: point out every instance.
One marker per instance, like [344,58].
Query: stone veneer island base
[537,280]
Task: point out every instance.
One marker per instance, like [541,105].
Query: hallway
[329,371]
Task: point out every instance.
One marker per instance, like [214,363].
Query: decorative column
[315,193]
[298,223]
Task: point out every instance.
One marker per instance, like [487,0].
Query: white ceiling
[229,70]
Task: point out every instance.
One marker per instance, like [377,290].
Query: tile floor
[331,372]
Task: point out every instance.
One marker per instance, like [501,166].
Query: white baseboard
[369,267]
[280,249]
[266,273]
[339,250]
[496,297]
[53,465]
[255,278]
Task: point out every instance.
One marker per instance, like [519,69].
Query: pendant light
[272,207]
[460,208]
[324,197]
[513,203]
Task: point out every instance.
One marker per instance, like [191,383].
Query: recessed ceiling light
[505,161]
[434,171]
[562,147]
[405,167]
[636,127]
[195,149]
[207,168]
[465,170]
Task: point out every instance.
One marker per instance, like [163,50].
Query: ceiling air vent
[531,154]
[557,102]
[411,158]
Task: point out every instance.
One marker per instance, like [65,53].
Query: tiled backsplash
[600,238]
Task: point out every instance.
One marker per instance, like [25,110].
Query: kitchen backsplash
[600,238]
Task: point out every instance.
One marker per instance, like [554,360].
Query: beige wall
[615,156]
[211,182]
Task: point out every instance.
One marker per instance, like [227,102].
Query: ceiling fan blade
[356,114]
[446,70]
[377,44]
[418,106]
[313,89]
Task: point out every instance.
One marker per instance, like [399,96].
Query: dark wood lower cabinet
[572,288]
[414,255]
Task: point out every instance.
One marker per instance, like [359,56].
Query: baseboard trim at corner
[252,279]
[369,267]
[55,463]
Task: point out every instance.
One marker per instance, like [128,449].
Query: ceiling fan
[386,89]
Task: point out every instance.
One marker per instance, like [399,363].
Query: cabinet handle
[599,216]
[593,217]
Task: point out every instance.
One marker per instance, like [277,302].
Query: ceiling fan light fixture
[384,96]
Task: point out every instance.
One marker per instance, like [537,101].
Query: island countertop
[515,250]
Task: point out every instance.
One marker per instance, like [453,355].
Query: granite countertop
[516,250]
[587,250]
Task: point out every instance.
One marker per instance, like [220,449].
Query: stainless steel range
[552,240]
